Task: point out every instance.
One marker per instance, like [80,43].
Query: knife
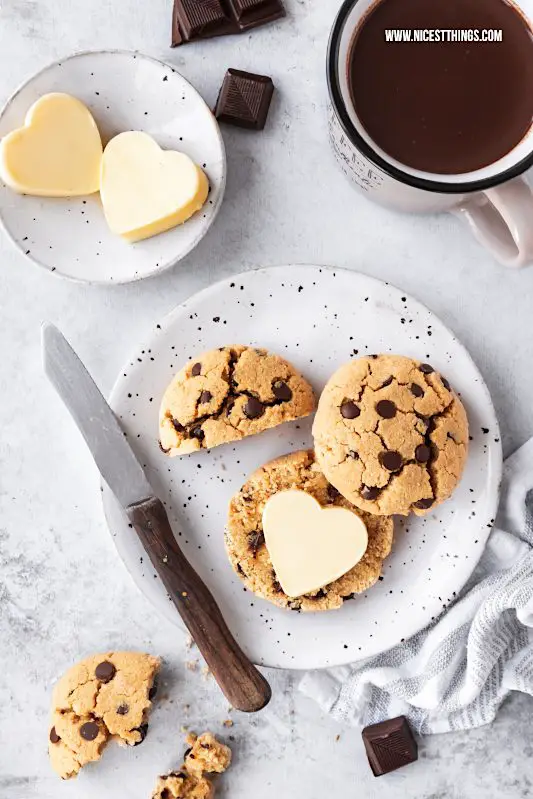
[242,684]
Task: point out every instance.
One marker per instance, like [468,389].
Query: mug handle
[501,219]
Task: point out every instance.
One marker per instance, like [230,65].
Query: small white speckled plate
[318,318]
[124,91]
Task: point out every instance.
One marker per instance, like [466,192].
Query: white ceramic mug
[496,201]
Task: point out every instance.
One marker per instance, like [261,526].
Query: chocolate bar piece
[389,745]
[244,99]
[202,19]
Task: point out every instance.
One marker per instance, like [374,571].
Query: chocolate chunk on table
[244,99]
[203,19]
[389,745]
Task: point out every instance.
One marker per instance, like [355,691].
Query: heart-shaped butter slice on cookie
[310,546]
[146,190]
[57,153]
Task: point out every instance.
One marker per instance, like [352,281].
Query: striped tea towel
[455,674]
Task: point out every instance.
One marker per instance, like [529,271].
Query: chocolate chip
[153,690]
[105,671]
[253,408]
[332,492]
[54,737]
[417,390]
[143,729]
[196,370]
[386,409]
[426,368]
[256,539]
[198,433]
[391,460]
[177,426]
[205,396]
[424,504]
[349,410]
[387,382]
[445,383]
[89,731]
[165,794]
[422,453]
[187,753]
[281,391]
[353,455]
[369,492]
[123,709]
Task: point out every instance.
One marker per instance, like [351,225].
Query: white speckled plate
[124,91]
[318,318]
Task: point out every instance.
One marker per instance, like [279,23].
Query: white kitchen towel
[455,674]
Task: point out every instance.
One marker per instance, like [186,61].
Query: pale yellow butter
[57,153]
[310,546]
[146,190]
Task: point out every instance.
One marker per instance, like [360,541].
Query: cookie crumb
[228,723]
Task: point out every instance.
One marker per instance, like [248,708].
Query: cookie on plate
[100,697]
[205,755]
[391,435]
[245,542]
[226,394]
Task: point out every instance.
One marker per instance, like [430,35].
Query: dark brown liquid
[443,107]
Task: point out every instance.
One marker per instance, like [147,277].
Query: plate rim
[133,54]
[494,475]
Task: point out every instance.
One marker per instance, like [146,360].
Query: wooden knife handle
[242,684]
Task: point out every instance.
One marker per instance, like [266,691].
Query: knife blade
[94,418]
[242,684]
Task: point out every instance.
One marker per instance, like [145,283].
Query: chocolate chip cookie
[391,435]
[227,394]
[101,697]
[205,755]
[245,542]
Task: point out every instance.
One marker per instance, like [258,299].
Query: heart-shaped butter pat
[146,190]
[310,546]
[57,153]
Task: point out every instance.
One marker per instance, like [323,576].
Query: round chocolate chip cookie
[101,697]
[227,394]
[245,541]
[391,435]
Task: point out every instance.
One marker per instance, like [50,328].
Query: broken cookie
[102,697]
[227,394]
[205,755]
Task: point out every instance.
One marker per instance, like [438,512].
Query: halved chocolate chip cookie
[101,697]
[227,394]
[245,541]
[391,435]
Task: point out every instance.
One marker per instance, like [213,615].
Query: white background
[63,592]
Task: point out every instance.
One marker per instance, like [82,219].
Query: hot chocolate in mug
[495,200]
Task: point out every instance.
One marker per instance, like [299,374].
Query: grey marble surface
[63,592]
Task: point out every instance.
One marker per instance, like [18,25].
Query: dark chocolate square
[389,745]
[203,19]
[249,13]
[244,99]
